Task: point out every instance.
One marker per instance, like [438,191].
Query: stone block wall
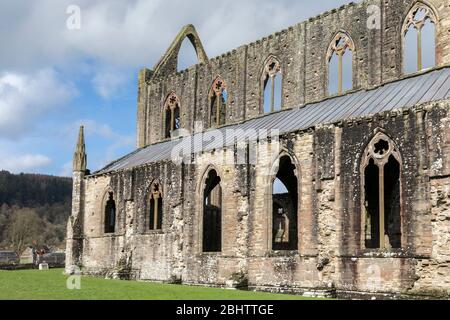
[301,49]
[331,255]
[216,268]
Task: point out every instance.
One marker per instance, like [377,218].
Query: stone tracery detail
[272,67]
[418,17]
[340,45]
[218,98]
[271,74]
[172,114]
[381,168]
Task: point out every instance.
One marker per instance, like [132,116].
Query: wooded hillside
[33,210]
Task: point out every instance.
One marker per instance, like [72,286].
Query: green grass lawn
[51,284]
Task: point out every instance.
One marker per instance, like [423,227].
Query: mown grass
[51,285]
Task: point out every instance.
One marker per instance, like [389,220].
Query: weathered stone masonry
[331,256]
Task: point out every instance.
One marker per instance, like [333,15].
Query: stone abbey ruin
[310,161]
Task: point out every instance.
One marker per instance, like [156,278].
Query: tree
[25,229]
[47,196]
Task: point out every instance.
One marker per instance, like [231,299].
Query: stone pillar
[74,242]
[443,36]
[142,121]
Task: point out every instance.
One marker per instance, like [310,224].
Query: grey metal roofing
[431,86]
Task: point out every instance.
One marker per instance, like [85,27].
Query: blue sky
[52,79]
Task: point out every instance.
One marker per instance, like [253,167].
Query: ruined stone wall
[395,12]
[301,49]
[331,253]
[270,269]
[158,253]
[423,218]
[432,272]
[443,47]
[320,31]
[216,268]
[361,269]
[333,256]
[134,250]
[100,250]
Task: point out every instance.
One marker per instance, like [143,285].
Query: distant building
[27,256]
[9,258]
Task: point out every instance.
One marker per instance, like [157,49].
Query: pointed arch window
[419,38]
[172,62]
[172,114]
[272,85]
[212,213]
[284,206]
[381,178]
[340,64]
[110,213]
[187,54]
[155,206]
[218,102]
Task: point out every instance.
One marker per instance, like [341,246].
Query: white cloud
[133,33]
[24,163]
[136,32]
[95,128]
[23,98]
[109,83]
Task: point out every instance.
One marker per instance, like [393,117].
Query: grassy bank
[51,284]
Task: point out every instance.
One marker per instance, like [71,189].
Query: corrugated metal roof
[432,86]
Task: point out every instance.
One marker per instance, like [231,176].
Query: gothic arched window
[419,38]
[187,55]
[284,206]
[212,213]
[218,102]
[155,207]
[272,85]
[340,64]
[110,213]
[172,114]
[381,194]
